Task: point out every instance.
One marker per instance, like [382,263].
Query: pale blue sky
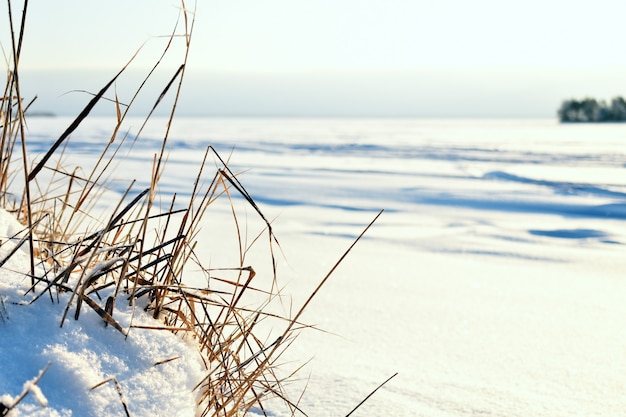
[342,57]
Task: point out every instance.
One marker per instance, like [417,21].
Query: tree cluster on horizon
[591,110]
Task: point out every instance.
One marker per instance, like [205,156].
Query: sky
[444,58]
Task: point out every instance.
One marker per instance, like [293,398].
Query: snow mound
[94,370]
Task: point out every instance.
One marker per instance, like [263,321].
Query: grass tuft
[139,256]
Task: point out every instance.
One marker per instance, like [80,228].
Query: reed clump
[97,250]
[137,252]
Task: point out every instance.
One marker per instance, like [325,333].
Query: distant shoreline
[41,114]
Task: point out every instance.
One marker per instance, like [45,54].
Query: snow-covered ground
[493,283]
[83,354]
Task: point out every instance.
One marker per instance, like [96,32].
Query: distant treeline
[592,110]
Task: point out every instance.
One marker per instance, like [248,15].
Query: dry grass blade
[118,388]
[104,314]
[72,127]
[14,81]
[232,179]
[167,87]
[332,270]
[19,244]
[29,387]
[161,362]
[371,393]
[18,49]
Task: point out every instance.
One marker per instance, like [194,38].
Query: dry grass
[140,254]
[30,387]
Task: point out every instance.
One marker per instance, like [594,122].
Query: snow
[493,282]
[83,353]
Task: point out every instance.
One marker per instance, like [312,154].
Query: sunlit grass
[93,249]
